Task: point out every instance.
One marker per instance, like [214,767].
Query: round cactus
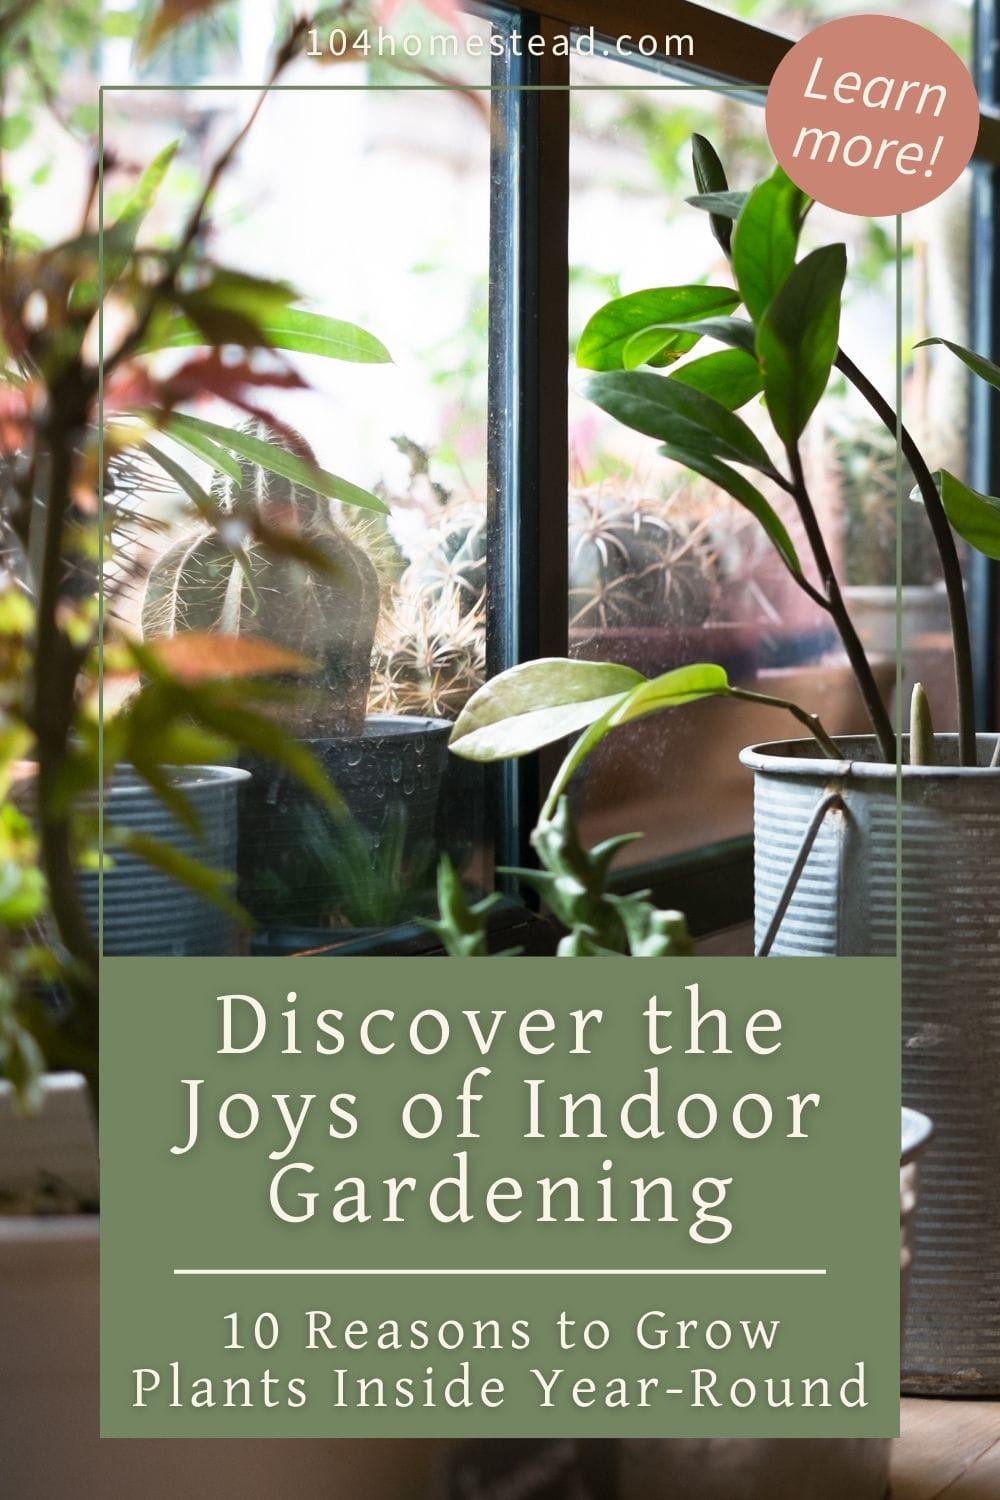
[629,565]
[229,578]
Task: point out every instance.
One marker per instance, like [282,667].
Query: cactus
[432,657]
[453,566]
[636,562]
[221,578]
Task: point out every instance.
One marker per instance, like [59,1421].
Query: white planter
[49,1420]
[50,1447]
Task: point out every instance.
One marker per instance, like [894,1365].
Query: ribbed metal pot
[845,903]
[147,914]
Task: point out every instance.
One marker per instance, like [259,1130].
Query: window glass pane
[666,569]
[374,205]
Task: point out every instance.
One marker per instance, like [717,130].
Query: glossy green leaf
[977,363]
[736,484]
[536,704]
[766,239]
[797,339]
[604,340]
[730,376]
[277,460]
[671,690]
[723,205]
[737,333]
[675,413]
[975,517]
[710,177]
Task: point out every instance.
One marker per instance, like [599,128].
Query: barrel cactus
[226,577]
[636,562]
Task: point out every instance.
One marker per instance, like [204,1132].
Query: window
[523,523]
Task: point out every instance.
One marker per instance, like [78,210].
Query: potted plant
[381,764]
[178,712]
[826,808]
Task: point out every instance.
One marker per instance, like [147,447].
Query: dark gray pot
[845,903]
[147,913]
[292,857]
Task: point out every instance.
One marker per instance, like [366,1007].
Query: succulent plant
[636,562]
[221,577]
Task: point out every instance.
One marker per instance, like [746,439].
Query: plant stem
[53,703]
[856,655]
[829,747]
[944,540]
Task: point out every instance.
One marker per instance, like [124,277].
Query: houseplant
[786,347]
[67,417]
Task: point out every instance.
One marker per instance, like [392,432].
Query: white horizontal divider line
[504,1271]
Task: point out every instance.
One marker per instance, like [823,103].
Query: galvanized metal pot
[146,913]
[845,903]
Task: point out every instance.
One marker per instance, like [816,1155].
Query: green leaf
[277,460]
[213,885]
[312,333]
[797,339]
[678,414]
[196,443]
[536,704]
[729,376]
[14,131]
[738,333]
[671,690]
[766,239]
[724,205]
[603,342]
[199,497]
[736,484]
[120,237]
[292,329]
[975,517]
[710,177]
[977,363]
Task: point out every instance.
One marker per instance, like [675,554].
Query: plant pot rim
[798,758]
[186,779]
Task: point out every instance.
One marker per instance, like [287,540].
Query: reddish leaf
[200,656]
[210,374]
[446,11]
[171,14]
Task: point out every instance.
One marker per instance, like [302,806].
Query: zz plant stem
[944,540]
[860,665]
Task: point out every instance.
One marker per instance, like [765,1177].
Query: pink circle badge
[872,115]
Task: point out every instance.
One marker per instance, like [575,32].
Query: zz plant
[783,346]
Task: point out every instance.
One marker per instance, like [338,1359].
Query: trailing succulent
[573,883]
[320,601]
